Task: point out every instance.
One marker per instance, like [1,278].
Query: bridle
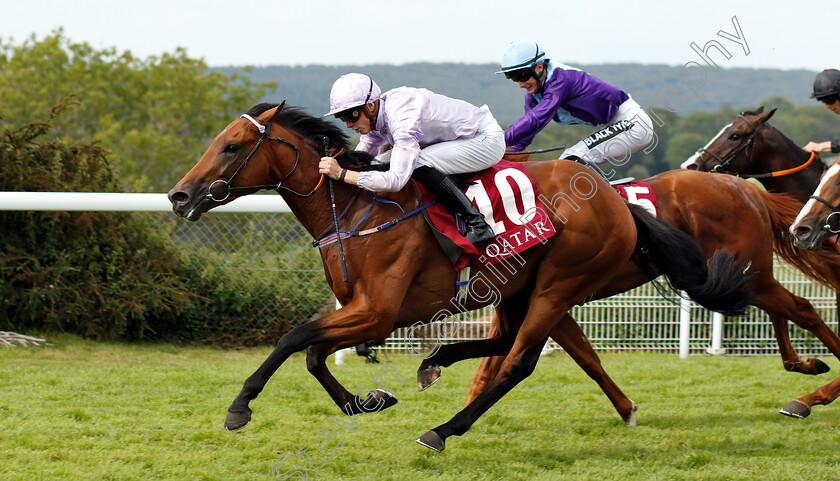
[265,133]
[724,162]
[834,211]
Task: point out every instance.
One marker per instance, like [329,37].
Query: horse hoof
[237,421]
[378,400]
[821,366]
[427,377]
[432,441]
[630,420]
[796,409]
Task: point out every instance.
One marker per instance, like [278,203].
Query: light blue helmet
[521,54]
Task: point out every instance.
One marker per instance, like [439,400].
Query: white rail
[115,202]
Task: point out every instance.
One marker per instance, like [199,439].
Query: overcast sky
[778,34]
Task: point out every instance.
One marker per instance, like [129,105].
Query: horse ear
[770,114]
[278,110]
[759,110]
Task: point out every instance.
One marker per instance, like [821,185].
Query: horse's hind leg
[376,400]
[572,339]
[801,406]
[781,305]
[507,317]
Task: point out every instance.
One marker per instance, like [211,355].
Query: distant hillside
[650,85]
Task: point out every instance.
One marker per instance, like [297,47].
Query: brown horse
[817,221]
[749,147]
[752,148]
[399,276]
[720,213]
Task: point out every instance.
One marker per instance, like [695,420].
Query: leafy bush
[93,273]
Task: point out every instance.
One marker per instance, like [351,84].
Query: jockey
[569,96]
[827,91]
[432,136]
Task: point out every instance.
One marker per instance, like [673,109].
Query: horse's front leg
[346,324]
[316,364]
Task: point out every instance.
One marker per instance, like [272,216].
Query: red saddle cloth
[504,193]
[640,193]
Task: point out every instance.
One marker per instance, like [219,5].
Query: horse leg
[487,369]
[507,317]
[571,338]
[781,305]
[316,357]
[544,312]
[568,334]
[354,321]
[801,406]
[518,365]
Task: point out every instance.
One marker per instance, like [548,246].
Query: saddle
[509,200]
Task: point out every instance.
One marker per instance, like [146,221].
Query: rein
[265,133]
[326,239]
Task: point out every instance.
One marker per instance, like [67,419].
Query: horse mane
[314,128]
[793,145]
[821,266]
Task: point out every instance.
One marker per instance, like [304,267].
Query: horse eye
[735,137]
[230,149]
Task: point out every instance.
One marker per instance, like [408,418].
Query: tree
[155,116]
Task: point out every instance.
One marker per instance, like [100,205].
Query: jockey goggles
[828,100]
[521,75]
[350,115]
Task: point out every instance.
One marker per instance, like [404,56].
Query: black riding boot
[456,202]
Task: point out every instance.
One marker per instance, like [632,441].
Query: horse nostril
[802,231]
[691,166]
[178,197]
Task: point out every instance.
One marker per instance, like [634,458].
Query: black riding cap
[827,83]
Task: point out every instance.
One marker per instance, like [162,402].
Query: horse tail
[716,283]
[821,266]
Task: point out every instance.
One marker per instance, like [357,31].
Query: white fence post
[717,335]
[685,324]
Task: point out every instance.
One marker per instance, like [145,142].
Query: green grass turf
[107,411]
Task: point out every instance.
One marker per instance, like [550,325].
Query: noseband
[834,211]
[265,133]
[724,162]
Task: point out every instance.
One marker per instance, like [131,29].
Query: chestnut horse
[752,148]
[399,276]
[720,213]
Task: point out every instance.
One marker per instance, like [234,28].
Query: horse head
[272,147]
[732,149]
[820,216]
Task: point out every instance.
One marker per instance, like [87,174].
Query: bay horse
[399,277]
[720,213]
[750,147]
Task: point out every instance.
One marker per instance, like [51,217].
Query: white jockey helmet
[352,90]
[521,54]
